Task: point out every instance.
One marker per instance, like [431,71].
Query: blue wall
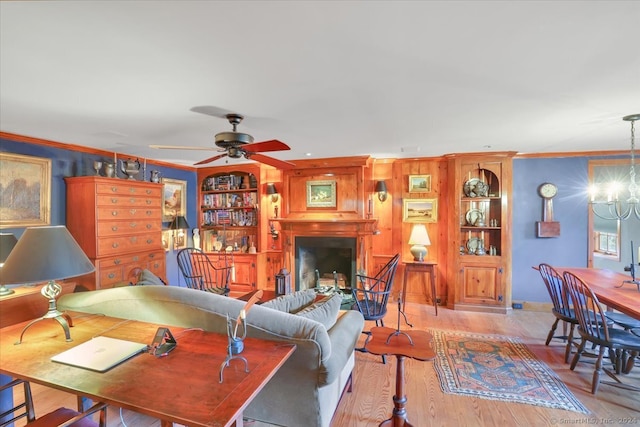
[66,163]
[570,208]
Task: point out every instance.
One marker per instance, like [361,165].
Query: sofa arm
[344,336]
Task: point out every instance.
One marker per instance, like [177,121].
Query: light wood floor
[374,383]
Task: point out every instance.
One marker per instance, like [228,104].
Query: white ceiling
[329,78]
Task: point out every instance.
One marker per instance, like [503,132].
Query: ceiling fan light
[224,139]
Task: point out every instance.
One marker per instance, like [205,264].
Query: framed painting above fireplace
[321,194]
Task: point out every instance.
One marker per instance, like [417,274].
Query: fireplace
[325,261]
[349,238]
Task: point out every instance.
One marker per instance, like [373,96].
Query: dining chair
[371,295]
[61,417]
[561,308]
[200,273]
[623,346]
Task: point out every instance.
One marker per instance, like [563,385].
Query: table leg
[399,417]
[432,269]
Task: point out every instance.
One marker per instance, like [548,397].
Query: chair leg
[552,331]
[567,351]
[597,372]
[576,357]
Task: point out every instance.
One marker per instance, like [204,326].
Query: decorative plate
[472,245]
[473,216]
[476,188]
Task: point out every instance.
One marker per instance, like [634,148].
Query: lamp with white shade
[46,254]
[419,240]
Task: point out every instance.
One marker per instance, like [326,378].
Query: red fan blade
[280,164]
[264,146]
[210,159]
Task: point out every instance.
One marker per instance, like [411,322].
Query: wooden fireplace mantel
[360,228]
[337,226]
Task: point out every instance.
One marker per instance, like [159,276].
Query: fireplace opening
[325,262]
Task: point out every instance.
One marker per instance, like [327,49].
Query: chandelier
[613,208]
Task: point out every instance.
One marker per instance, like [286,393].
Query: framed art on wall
[321,194]
[25,190]
[419,183]
[420,210]
[166,239]
[174,197]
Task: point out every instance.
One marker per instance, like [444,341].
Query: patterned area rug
[498,368]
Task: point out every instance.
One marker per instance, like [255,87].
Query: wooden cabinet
[229,211]
[118,224]
[233,216]
[479,232]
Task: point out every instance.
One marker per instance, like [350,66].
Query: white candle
[370,205]
[115,159]
[243,314]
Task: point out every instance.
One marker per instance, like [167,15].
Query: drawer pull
[149,241]
[132,211]
[112,275]
[149,226]
[114,228]
[133,240]
[114,200]
[149,201]
[116,261]
[156,266]
[132,190]
[132,200]
[149,212]
[136,258]
[114,245]
[149,191]
[114,189]
[114,213]
[152,255]
[133,225]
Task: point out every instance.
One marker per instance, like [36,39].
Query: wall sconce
[381,189]
[420,240]
[179,223]
[273,192]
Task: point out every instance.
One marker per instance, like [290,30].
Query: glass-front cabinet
[480,232]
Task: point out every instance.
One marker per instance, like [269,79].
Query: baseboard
[532,306]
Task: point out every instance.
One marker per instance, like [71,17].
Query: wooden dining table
[610,288]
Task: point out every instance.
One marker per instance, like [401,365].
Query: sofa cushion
[148,278]
[324,311]
[292,303]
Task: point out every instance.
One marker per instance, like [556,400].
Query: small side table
[414,344]
[425,267]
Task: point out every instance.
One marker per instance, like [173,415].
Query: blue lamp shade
[44,254]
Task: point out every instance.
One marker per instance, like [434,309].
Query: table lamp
[178,223]
[7,242]
[420,240]
[46,254]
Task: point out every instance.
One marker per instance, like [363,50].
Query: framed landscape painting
[419,183]
[174,197]
[321,194]
[25,190]
[420,210]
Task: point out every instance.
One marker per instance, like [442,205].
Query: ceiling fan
[236,144]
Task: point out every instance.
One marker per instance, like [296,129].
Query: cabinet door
[274,265]
[482,284]
[245,274]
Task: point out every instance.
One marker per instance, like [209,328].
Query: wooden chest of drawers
[118,224]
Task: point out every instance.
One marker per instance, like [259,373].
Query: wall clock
[547,227]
